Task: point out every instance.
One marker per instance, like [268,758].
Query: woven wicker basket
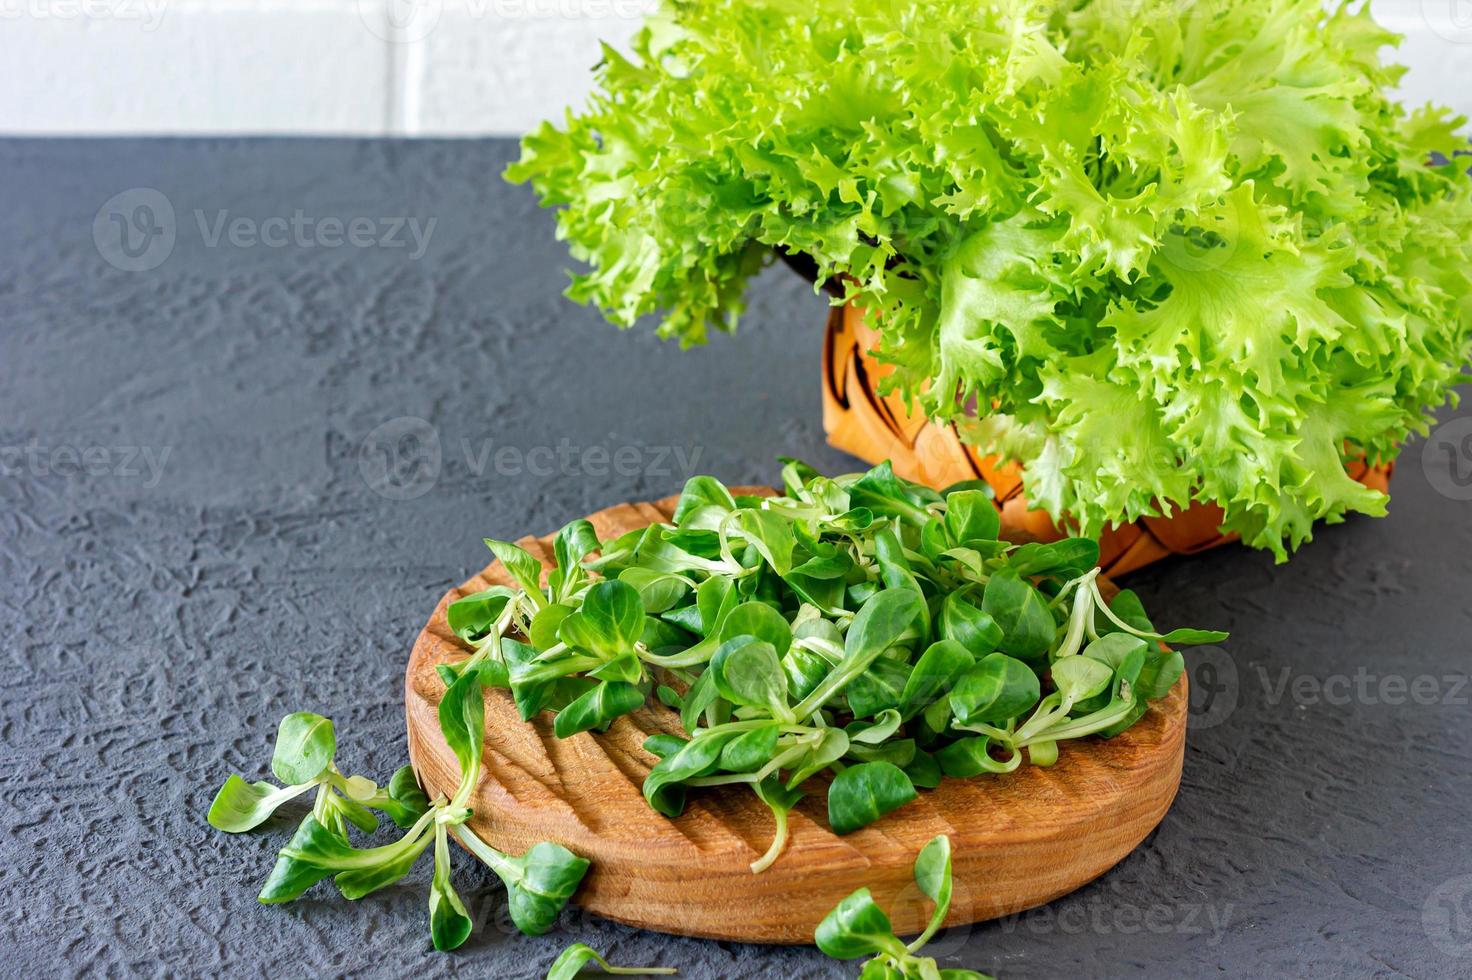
[876,427]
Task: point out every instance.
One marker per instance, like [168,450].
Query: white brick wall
[416,67]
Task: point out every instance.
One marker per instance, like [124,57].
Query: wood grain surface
[1020,839]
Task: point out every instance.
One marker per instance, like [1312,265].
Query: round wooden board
[1019,840]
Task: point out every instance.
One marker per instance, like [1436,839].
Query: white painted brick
[430,67]
[244,66]
[501,66]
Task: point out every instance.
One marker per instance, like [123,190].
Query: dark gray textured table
[236,483]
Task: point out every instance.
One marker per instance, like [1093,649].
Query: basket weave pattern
[876,427]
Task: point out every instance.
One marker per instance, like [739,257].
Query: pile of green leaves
[1178,252]
[538,883]
[857,927]
[863,626]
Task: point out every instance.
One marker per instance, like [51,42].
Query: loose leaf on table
[240,806]
[571,961]
[305,745]
[449,923]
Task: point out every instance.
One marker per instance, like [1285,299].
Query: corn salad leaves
[1175,252]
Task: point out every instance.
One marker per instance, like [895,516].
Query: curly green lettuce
[1156,252]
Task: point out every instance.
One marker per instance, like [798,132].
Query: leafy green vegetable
[538,884]
[1189,254]
[862,794]
[887,644]
[857,927]
[572,960]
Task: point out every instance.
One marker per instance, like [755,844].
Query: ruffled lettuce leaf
[1190,254]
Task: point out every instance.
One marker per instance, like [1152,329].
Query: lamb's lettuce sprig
[857,927]
[538,883]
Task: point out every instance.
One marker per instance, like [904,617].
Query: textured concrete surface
[218,506]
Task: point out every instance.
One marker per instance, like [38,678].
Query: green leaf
[539,883]
[569,964]
[970,756]
[1027,625]
[933,676]
[969,626]
[863,793]
[856,927]
[662,744]
[471,617]
[525,569]
[574,542]
[598,708]
[758,620]
[1191,637]
[703,503]
[996,690]
[1068,558]
[406,802]
[240,806]
[770,535]
[750,750]
[881,621]
[923,770]
[305,745]
[933,876]
[880,688]
[697,757]
[971,516]
[462,720]
[1078,678]
[449,923]
[658,591]
[831,746]
[747,671]
[608,623]
[546,624]
[876,731]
